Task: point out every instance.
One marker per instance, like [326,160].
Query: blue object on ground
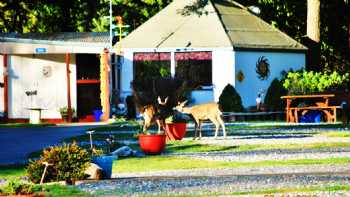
[98,113]
[311,116]
[106,163]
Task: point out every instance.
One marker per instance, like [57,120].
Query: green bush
[69,163]
[273,99]
[229,100]
[16,187]
[304,82]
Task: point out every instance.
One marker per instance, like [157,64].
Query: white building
[221,32]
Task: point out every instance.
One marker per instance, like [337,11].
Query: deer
[203,112]
[154,113]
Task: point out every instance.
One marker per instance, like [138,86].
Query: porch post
[5,74]
[104,78]
[172,64]
[68,88]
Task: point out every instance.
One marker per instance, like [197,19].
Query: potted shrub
[64,113]
[67,163]
[20,189]
[175,127]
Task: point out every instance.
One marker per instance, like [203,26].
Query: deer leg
[200,130]
[159,125]
[222,123]
[217,125]
[195,130]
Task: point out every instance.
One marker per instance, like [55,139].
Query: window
[148,65]
[195,68]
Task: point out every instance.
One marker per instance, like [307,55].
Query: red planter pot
[152,144]
[175,131]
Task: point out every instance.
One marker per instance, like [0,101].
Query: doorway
[88,86]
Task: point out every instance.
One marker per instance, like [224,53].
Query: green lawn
[161,163]
[11,172]
[24,125]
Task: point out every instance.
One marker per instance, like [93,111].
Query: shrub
[229,100]
[16,187]
[273,99]
[69,163]
[304,82]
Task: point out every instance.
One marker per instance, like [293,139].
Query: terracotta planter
[175,131]
[152,144]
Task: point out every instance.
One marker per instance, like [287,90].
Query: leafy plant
[230,100]
[16,187]
[176,118]
[304,82]
[64,110]
[273,99]
[68,164]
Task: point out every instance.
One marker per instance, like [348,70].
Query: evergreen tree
[230,100]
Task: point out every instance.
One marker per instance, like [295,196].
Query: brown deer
[203,112]
[154,113]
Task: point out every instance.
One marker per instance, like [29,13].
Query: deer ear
[159,100]
[166,100]
[184,103]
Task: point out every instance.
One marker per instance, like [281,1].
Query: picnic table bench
[292,113]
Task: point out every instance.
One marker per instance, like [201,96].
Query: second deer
[203,112]
[154,113]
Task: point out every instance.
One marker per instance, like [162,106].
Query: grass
[11,172]
[63,191]
[25,125]
[331,188]
[195,146]
[99,137]
[288,126]
[161,163]
[336,134]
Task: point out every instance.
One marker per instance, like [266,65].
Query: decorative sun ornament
[262,68]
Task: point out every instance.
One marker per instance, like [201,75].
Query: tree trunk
[313,35]
[313,20]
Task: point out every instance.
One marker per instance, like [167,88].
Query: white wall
[26,74]
[251,85]
[127,74]
[223,70]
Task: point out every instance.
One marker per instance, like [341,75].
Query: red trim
[88,81]
[193,56]
[152,56]
[68,88]
[6,92]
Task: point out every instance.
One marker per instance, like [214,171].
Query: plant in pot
[175,126]
[64,111]
[21,189]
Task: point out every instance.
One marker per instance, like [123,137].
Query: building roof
[65,42]
[218,23]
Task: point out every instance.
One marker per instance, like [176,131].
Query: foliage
[16,187]
[64,110]
[273,99]
[176,118]
[68,163]
[147,90]
[304,82]
[230,100]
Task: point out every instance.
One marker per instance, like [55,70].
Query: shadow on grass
[188,148]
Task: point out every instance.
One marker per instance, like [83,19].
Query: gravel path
[210,186]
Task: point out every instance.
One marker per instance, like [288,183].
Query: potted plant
[16,188]
[64,113]
[175,127]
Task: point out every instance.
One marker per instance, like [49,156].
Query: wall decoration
[262,68]
[47,71]
[240,76]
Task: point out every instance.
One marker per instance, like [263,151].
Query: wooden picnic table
[292,113]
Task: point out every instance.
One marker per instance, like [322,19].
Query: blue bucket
[106,163]
[98,113]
